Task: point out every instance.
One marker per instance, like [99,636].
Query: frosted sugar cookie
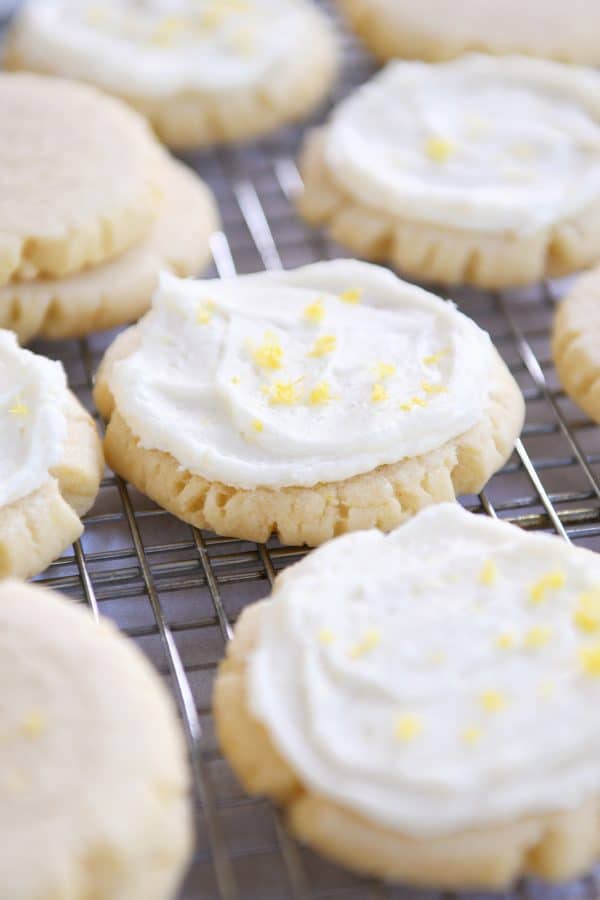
[435,717]
[442,29]
[93,776]
[202,71]
[576,343]
[50,461]
[118,291]
[308,403]
[484,170]
[80,177]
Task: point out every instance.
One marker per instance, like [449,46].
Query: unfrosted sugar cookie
[202,71]
[93,774]
[435,717]
[81,177]
[50,461]
[484,170]
[442,29]
[307,403]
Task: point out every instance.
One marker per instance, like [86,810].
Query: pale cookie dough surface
[310,402]
[81,177]
[481,170]
[442,29]
[412,730]
[576,343]
[201,71]
[93,775]
[119,291]
[50,461]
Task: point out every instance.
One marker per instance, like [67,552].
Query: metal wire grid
[177,591]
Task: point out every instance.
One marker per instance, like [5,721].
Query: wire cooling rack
[177,591]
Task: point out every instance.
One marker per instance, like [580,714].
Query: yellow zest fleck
[235,379]
[492,701]
[590,660]
[19,409]
[269,354]
[352,295]
[33,725]
[433,388]
[378,394]
[505,641]
[410,404]
[435,357]
[537,637]
[408,727]
[325,636]
[552,581]
[284,393]
[168,31]
[368,642]
[524,151]
[324,345]
[439,149]
[205,311]
[384,370]
[587,614]
[315,312]
[489,573]
[320,394]
[471,735]
[257,425]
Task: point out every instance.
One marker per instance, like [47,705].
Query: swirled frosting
[440,678]
[482,142]
[300,377]
[33,425]
[155,47]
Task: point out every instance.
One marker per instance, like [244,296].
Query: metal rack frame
[177,591]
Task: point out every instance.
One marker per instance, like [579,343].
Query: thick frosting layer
[482,142]
[158,47]
[295,378]
[33,424]
[440,678]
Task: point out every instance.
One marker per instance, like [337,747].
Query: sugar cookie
[203,71]
[50,461]
[442,29]
[80,177]
[484,170]
[435,718]
[93,777]
[576,343]
[118,291]
[308,403]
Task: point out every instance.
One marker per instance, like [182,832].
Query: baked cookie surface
[81,178]
[50,461]
[411,731]
[483,170]
[203,72]
[309,402]
[119,291]
[93,774]
[443,29]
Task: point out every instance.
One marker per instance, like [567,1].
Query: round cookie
[309,403]
[93,774]
[207,72]
[434,719]
[80,177]
[50,461]
[442,29]
[487,170]
[119,291]
[576,343]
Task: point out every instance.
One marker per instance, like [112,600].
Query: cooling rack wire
[177,591]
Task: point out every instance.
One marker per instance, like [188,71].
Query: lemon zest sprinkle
[384,370]
[269,355]
[352,295]
[435,357]
[408,727]
[368,642]
[439,149]
[433,388]
[505,641]
[492,701]
[33,725]
[257,425]
[489,573]
[323,345]
[471,735]
[315,312]
[587,613]
[19,409]
[551,581]
[537,637]
[283,393]
[590,660]
[321,393]
[325,636]
[378,394]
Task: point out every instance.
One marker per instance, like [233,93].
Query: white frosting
[482,142]
[385,677]
[393,376]
[33,425]
[154,47]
